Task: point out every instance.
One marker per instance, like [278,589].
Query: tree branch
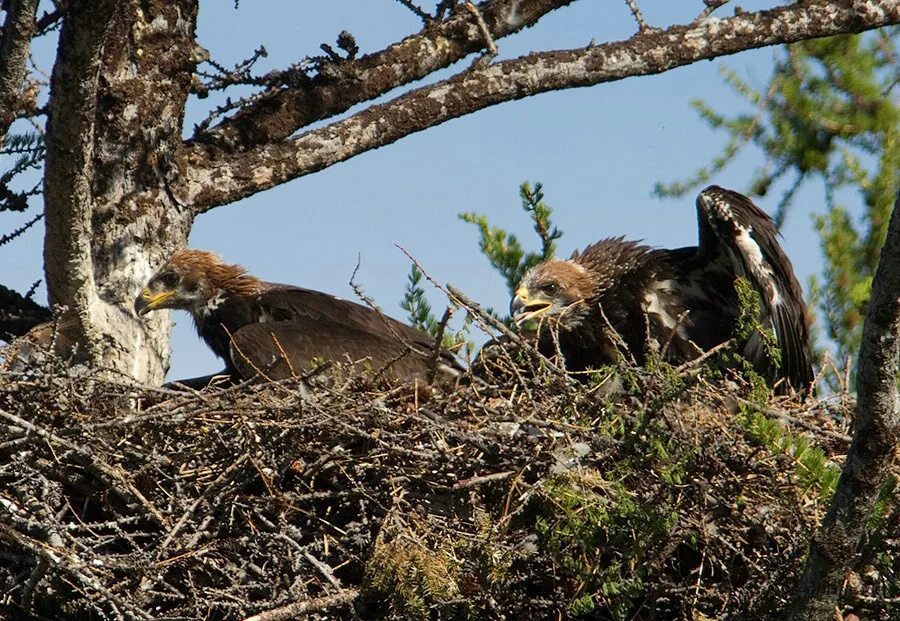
[210,178]
[69,166]
[283,111]
[18,29]
[875,437]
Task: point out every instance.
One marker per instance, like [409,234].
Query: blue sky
[598,152]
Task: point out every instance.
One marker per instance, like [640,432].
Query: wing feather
[313,324]
[730,222]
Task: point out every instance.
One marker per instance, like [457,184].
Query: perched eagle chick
[679,302]
[276,330]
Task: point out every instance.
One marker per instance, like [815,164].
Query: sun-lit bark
[284,110]
[211,176]
[117,105]
[875,436]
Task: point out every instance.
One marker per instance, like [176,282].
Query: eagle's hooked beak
[148,301]
[522,307]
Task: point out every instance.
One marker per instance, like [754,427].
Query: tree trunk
[875,437]
[117,101]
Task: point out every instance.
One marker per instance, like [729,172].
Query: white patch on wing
[756,264]
[652,303]
[448,370]
[718,208]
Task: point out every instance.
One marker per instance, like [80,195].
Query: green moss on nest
[412,578]
[598,534]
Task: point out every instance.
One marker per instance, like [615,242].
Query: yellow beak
[522,308]
[148,301]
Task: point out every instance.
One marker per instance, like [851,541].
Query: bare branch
[638,16]
[425,17]
[210,177]
[18,29]
[5,239]
[282,111]
[49,20]
[485,32]
[224,77]
[711,5]
[875,437]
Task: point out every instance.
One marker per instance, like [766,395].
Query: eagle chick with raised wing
[678,303]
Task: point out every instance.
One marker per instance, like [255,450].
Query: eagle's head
[554,290]
[195,281]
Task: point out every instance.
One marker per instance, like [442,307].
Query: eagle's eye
[550,289]
[169,280]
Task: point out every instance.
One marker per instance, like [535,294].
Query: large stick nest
[342,496]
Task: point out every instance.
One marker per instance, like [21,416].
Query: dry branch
[291,611]
[212,177]
[282,111]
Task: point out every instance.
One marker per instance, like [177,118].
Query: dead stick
[292,611]
[105,473]
[487,478]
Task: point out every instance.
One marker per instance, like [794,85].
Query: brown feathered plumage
[276,330]
[679,302]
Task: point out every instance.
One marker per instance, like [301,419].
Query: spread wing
[300,325]
[734,231]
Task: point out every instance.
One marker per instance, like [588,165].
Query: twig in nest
[473,481]
[696,362]
[246,359]
[476,310]
[487,320]
[384,319]
[220,480]
[438,345]
[325,569]
[618,341]
[294,610]
[678,321]
[284,356]
[69,564]
[104,472]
